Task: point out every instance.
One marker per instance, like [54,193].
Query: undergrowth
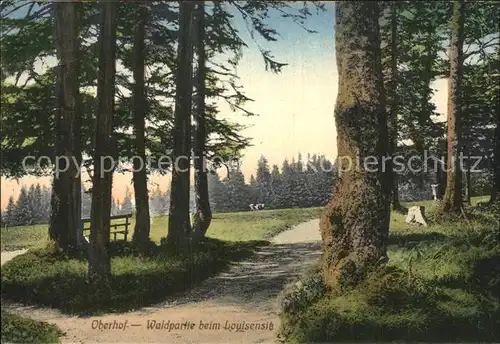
[441,284]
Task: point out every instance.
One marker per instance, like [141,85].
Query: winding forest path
[245,293]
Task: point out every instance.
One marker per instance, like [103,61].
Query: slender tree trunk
[495,190]
[179,223]
[77,189]
[142,224]
[452,201]
[64,220]
[99,260]
[440,173]
[203,215]
[355,223]
[468,186]
[393,108]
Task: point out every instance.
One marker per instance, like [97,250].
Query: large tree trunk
[393,107]
[452,201]
[99,260]
[355,223]
[65,214]
[203,215]
[179,223]
[142,224]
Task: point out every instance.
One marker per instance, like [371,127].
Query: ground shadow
[59,281]
[255,283]
[412,239]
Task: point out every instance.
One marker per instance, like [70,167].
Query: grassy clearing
[51,279]
[16,329]
[242,226]
[42,277]
[441,285]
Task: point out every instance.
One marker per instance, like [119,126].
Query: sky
[295,107]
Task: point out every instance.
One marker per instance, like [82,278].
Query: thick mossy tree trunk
[203,215]
[355,223]
[65,214]
[179,223]
[393,107]
[142,224]
[99,260]
[495,191]
[452,201]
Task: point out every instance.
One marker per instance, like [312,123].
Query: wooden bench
[115,226]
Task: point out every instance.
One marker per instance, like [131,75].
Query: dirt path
[8,255]
[210,313]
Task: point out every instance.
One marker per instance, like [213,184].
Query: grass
[242,226]
[441,284]
[43,277]
[16,329]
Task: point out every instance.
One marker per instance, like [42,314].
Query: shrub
[298,295]
[440,285]
[392,288]
[16,329]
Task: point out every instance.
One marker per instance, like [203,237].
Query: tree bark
[142,224]
[468,186]
[355,223]
[65,214]
[99,260]
[203,215]
[452,201]
[441,170]
[393,108]
[179,223]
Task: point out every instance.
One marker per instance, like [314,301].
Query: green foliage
[16,329]
[31,207]
[423,31]
[244,226]
[391,288]
[27,102]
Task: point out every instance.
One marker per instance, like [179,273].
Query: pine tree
[217,192]
[237,192]
[32,204]
[276,188]
[126,204]
[11,218]
[24,215]
[355,224]
[37,205]
[263,181]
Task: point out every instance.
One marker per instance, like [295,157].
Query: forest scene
[250,171]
